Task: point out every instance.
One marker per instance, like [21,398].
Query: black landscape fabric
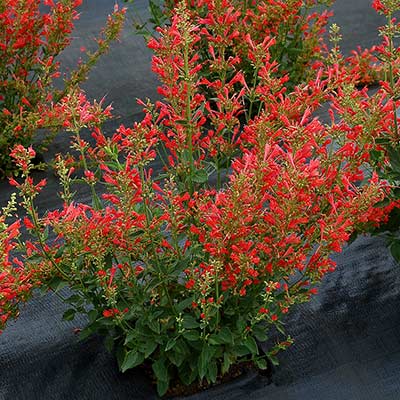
[347,340]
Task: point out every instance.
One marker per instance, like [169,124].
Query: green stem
[155,255]
[145,205]
[391,78]
[42,244]
[162,156]
[218,177]
[252,95]
[217,299]
[189,115]
[95,197]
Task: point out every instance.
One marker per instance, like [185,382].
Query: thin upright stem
[391,79]
[189,115]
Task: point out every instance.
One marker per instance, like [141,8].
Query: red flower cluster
[15,281]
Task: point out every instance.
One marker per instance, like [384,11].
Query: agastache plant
[296,25]
[189,268]
[379,112]
[32,34]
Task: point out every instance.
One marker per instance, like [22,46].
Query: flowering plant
[32,34]
[296,25]
[382,107]
[190,269]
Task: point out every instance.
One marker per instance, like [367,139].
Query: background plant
[385,158]
[32,34]
[190,268]
[296,26]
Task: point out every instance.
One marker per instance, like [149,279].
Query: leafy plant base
[178,389]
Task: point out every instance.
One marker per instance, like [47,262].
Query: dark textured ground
[347,339]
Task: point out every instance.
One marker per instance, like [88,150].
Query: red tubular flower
[190,284]
[110,313]
[379,7]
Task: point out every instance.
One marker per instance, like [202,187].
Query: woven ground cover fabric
[347,339]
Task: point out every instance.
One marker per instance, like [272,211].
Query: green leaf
[45,233]
[189,322]
[261,363]
[204,359]
[394,157]
[202,367]
[241,324]
[260,333]
[160,370]
[226,363]
[181,346]
[213,339]
[120,355]
[176,357]
[395,250]
[154,325]
[59,252]
[149,348]
[376,155]
[212,372]
[187,375]
[184,303]
[197,345]
[56,284]
[92,315]
[241,350]
[74,299]
[192,335]
[162,387]
[130,337]
[164,301]
[85,333]
[170,344]
[251,344]
[280,329]
[96,202]
[273,359]
[69,315]
[200,176]
[132,359]
[224,336]
[44,290]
